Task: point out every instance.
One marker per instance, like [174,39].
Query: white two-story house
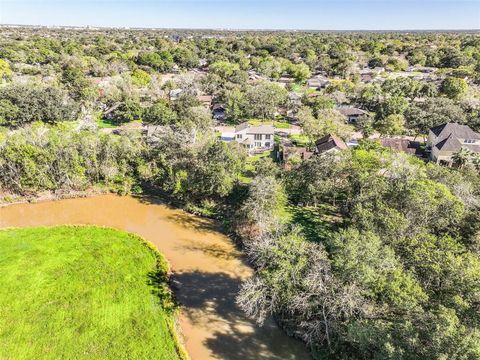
[255,138]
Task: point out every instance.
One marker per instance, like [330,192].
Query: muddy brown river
[208,271]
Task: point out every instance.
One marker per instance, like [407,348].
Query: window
[258,137]
[267,144]
[239,136]
[258,144]
[267,137]
[469,141]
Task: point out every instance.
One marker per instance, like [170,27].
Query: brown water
[208,271]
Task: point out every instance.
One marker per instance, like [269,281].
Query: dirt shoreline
[48,196]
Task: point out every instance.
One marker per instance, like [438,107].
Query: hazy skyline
[248,14]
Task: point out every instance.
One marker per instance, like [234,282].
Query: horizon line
[234,29]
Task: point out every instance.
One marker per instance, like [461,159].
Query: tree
[235,104]
[462,157]
[318,103]
[300,72]
[422,116]
[141,77]
[453,87]
[8,113]
[327,121]
[365,124]
[391,125]
[264,99]
[5,71]
[160,113]
[224,69]
[393,105]
[27,103]
[194,172]
[75,81]
[128,110]
[476,162]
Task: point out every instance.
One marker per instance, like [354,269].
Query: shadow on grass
[317,223]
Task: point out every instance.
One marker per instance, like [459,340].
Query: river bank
[207,270]
[7,199]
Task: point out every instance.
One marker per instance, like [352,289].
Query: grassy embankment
[84,292]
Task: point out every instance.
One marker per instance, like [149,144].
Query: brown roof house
[446,139]
[329,143]
[403,145]
[206,100]
[291,154]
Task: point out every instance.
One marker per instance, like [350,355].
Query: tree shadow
[317,223]
[194,222]
[180,217]
[209,304]
[216,251]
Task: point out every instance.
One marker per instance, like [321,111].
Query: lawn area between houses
[75,292]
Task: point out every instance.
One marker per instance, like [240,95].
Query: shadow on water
[209,299]
[180,217]
[216,251]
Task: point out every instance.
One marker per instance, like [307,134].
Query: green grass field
[83,292]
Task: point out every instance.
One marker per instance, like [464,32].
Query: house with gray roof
[351,113]
[446,139]
[255,138]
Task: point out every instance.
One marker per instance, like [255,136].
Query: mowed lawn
[83,292]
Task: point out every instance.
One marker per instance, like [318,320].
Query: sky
[248,14]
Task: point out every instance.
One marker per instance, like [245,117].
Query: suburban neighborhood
[229,194]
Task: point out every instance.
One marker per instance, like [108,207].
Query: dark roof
[329,142]
[403,145]
[451,143]
[458,130]
[218,107]
[351,111]
[450,136]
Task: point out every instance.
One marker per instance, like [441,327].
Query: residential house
[286,79]
[376,70]
[329,143]
[403,145]
[366,78]
[206,100]
[446,139]
[318,82]
[295,98]
[255,138]
[352,114]
[289,155]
